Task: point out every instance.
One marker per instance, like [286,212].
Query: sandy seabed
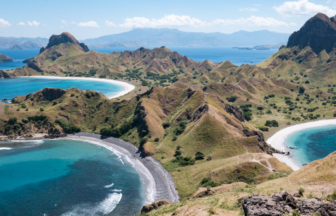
[127,87]
[278,139]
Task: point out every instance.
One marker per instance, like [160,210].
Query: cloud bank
[303,7]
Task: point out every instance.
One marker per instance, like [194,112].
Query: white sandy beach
[127,87]
[277,140]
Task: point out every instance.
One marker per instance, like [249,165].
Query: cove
[10,88]
[311,144]
[66,177]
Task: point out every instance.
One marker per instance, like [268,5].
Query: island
[4,58]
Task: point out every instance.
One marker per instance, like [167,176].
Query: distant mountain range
[174,37]
[26,43]
[165,37]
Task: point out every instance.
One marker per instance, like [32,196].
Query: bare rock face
[319,33]
[65,37]
[153,206]
[284,203]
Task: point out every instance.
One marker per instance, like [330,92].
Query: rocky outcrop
[284,203]
[65,37]
[319,33]
[4,58]
[28,60]
[155,205]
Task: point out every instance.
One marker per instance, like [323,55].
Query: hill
[7,42]
[174,37]
[4,58]
[25,45]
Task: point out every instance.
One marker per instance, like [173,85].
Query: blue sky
[89,19]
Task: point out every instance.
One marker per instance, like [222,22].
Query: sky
[90,19]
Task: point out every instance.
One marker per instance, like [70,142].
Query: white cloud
[88,24]
[4,23]
[64,22]
[73,23]
[167,21]
[111,24]
[179,21]
[253,21]
[248,9]
[303,7]
[21,24]
[34,23]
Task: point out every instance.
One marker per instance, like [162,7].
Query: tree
[301,90]
[199,156]
[232,98]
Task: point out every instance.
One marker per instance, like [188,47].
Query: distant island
[260,47]
[25,45]
[4,58]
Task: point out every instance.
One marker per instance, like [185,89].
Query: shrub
[272,123]
[263,128]
[177,152]
[260,108]
[301,191]
[174,138]
[12,120]
[333,195]
[23,105]
[247,116]
[67,128]
[207,182]
[54,103]
[269,112]
[232,98]
[41,109]
[72,95]
[301,90]
[16,127]
[199,156]
[149,135]
[25,120]
[102,76]
[143,141]
[156,139]
[165,124]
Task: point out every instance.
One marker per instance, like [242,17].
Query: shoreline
[127,86]
[157,182]
[277,140]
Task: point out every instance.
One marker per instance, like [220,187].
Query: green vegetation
[67,128]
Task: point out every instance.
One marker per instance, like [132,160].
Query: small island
[4,58]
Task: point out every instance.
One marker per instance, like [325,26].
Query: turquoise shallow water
[66,177]
[312,144]
[10,88]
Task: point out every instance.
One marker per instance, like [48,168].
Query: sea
[10,88]
[68,178]
[311,144]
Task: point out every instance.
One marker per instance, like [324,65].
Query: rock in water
[4,58]
[319,33]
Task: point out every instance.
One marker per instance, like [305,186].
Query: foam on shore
[127,86]
[278,139]
[148,181]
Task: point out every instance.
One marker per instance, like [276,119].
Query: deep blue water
[10,88]
[18,56]
[66,177]
[215,54]
[312,144]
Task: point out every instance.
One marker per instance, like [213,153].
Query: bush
[67,128]
[207,182]
[333,195]
[165,124]
[272,123]
[263,128]
[199,156]
[247,116]
[41,109]
[12,120]
[143,141]
[54,103]
[25,120]
[72,95]
[260,108]
[156,139]
[23,105]
[301,90]
[102,76]
[177,152]
[174,138]
[232,98]
[301,191]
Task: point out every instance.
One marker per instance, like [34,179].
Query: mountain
[174,37]
[310,54]
[25,45]
[4,58]
[7,42]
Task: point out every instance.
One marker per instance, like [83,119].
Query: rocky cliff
[319,33]
[65,37]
